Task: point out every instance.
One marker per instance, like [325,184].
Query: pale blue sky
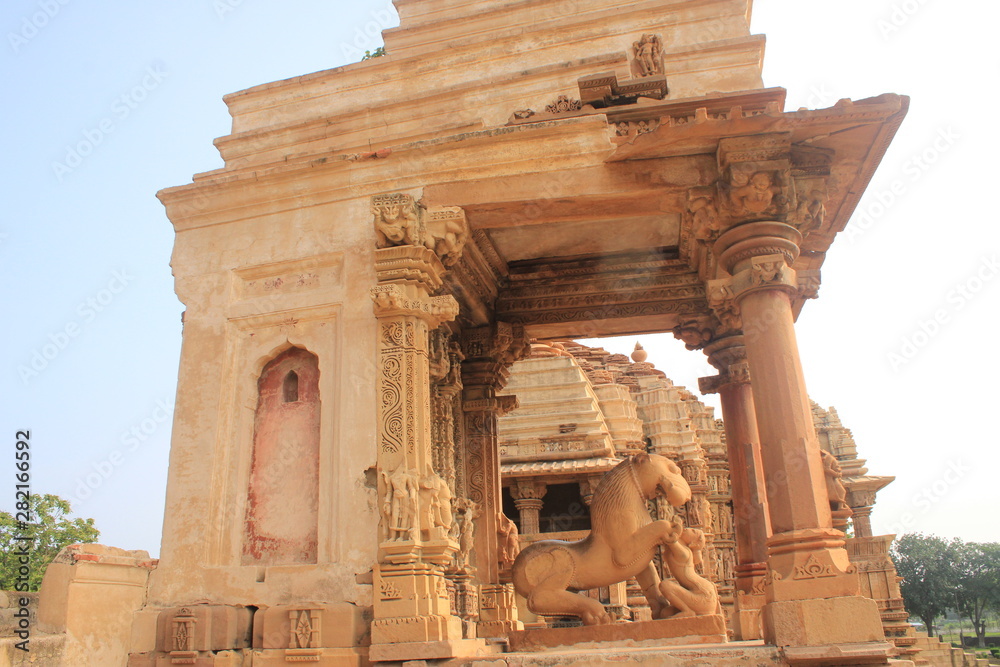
[137,86]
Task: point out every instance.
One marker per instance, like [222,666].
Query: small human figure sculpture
[647,54]
[756,196]
[401,485]
[510,547]
[707,516]
[463,530]
[395,224]
[835,490]
[812,211]
[689,593]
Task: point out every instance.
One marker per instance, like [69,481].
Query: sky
[107,103]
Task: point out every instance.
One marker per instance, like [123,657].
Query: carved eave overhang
[556,472]
[870,483]
[628,292]
[843,145]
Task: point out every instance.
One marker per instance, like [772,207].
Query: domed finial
[638,354]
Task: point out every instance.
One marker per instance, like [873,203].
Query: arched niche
[281,526]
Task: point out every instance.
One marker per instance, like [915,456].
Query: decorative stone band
[409,263]
[391,300]
[501,405]
[738,373]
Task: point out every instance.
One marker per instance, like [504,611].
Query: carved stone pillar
[411,602]
[489,353]
[527,495]
[861,501]
[811,586]
[752,525]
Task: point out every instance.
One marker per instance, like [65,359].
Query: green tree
[49,529]
[377,53]
[926,564]
[977,586]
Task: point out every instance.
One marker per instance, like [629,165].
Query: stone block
[822,622]
[204,628]
[305,626]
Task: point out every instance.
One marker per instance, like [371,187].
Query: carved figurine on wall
[396,222]
[463,530]
[400,511]
[688,593]
[835,490]
[620,545]
[509,545]
[435,503]
[648,54]
[757,196]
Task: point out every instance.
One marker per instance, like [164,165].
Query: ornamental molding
[392,301]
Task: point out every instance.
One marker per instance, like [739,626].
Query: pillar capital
[528,489]
[729,356]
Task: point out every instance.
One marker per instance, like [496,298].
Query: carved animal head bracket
[400,220]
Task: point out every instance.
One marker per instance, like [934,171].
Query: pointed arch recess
[281,524]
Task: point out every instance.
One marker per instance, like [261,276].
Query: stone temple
[385,242]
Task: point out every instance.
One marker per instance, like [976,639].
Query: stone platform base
[457,648]
[732,654]
[664,632]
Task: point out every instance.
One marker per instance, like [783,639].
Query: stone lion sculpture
[621,544]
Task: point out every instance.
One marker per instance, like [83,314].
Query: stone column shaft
[489,352]
[811,586]
[750,509]
[529,508]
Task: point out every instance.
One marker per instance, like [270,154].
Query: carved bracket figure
[399,220]
[620,545]
[510,547]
